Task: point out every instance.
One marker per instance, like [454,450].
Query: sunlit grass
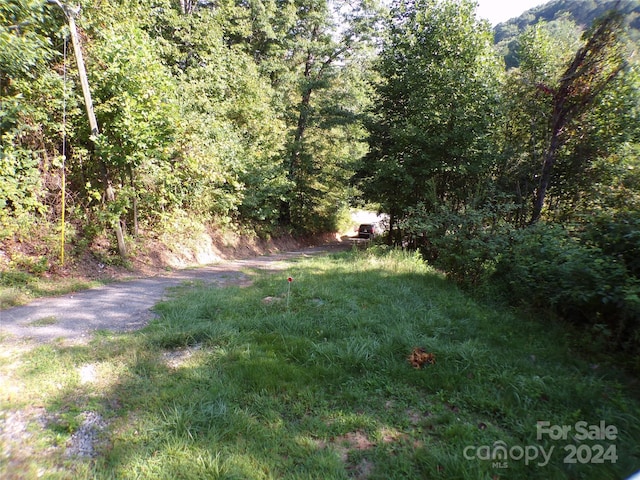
[19,288]
[227,385]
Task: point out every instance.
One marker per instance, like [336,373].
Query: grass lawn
[18,288]
[311,380]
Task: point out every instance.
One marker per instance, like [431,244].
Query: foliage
[589,140]
[230,137]
[545,267]
[26,131]
[138,117]
[525,118]
[434,114]
[326,51]
[599,152]
[588,76]
[466,244]
[583,272]
[250,116]
[591,280]
[618,236]
[198,107]
[556,13]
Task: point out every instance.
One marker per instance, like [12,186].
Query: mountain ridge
[581,12]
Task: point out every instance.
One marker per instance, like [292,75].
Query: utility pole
[71,14]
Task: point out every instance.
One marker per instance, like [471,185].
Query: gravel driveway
[126,306]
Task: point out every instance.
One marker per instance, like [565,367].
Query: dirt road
[126,306]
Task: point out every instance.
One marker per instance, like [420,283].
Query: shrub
[464,245]
[545,267]
[589,279]
[15,278]
[617,235]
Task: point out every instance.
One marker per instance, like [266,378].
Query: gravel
[127,306]
[118,307]
[83,442]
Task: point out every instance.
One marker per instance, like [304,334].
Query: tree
[435,111]
[229,152]
[29,91]
[324,55]
[593,68]
[524,112]
[137,110]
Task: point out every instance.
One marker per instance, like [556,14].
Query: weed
[43,322]
[18,288]
[15,278]
[222,385]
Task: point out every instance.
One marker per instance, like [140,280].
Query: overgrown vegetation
[523,182]
[272,116]
[554,14]
[18,288]
[242,114]
[239,383]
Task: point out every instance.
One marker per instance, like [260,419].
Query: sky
[497,11]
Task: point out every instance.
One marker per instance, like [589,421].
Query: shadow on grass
[226,385]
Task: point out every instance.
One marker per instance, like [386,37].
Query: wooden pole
[71,13]
[77,49]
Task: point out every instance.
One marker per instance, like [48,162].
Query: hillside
[580,12]
[268,122]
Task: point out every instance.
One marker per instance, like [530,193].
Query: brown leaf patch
[350,442]
[419,357]
[357,440]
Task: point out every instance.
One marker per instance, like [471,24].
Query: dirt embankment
[148,256]
[127,305]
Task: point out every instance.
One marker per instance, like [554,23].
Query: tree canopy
[485,148]
[434,113]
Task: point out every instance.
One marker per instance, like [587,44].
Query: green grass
[18,288]
[225,385]
[43,322]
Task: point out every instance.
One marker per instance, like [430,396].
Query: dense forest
[510,159]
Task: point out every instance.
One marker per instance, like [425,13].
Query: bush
[618,236]
[464,245]
[589,279]
[547,268]
[16,279]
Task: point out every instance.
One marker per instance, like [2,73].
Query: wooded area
[511,166]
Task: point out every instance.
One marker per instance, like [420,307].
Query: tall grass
[234,383]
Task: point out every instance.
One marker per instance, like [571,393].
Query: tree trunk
[545,176]
[187,6]
[392,227]
[110,197]
[303,118]
[134,201]
[594,66]
[295,163]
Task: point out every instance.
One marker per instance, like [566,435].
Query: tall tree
[525,108]
[30,92]
[433,120]
[138,113]
[229,161]
[591,71]
[324,42]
